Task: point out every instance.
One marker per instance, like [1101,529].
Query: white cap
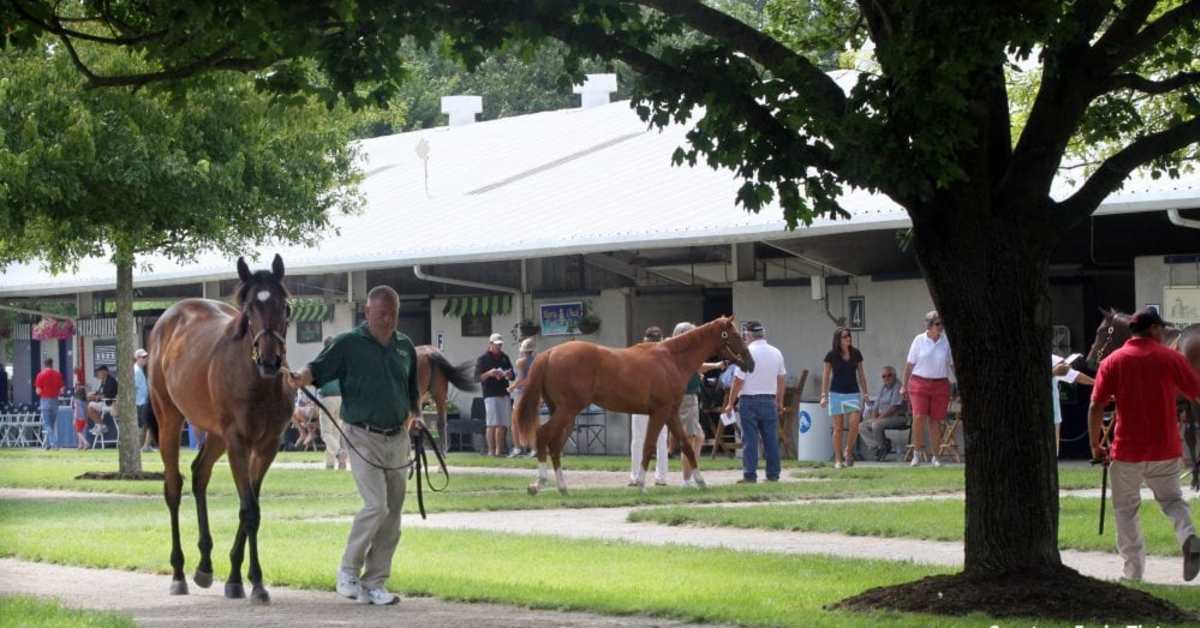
[496,339]
[140,353]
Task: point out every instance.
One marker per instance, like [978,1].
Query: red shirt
[48,383]
[1145,377]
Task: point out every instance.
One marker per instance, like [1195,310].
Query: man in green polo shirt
[376,368]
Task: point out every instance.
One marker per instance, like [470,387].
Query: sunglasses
[846,336]
[889,375]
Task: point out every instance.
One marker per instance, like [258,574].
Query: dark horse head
[263,301]
[1110,335]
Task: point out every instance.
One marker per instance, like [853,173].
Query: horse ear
[243,270]
[277,267]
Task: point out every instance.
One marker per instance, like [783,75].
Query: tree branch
[55,27]
[1113,172]
[1127,46]
[814,85]
[1149,86]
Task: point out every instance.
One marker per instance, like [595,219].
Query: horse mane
[688,341]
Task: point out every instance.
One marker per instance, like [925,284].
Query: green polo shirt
[378,382]
[693,385]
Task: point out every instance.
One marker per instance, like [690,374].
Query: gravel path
[144,596]
[45,493]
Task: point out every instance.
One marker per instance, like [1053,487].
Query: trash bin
[814,440]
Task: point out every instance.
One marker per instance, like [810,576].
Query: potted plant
[529,328]
[589,324]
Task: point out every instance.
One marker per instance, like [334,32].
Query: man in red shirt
[1144,377]
[49,384]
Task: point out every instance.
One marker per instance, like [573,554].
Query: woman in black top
[844,392]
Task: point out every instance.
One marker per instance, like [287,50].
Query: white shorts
[499,411]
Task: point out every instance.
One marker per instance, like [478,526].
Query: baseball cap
[496,339]
[653,333]
[754,327]
[1143,319]
[527,345]
[140,353]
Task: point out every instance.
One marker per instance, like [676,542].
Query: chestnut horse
[435,374]
[1114,331]
[222,368]
[647,378]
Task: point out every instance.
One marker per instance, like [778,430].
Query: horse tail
[525,415]
[459,376]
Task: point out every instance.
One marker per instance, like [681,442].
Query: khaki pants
[329,433]
[376,528]
[1161,477]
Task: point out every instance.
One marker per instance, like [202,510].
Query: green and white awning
[483,304]
[304,310]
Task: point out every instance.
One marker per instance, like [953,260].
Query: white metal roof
[567,181]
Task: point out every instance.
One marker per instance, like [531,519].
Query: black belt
[390,431]
[763,395]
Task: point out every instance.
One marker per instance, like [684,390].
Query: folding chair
[948,441]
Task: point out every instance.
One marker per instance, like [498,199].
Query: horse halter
[275,336]
[254,354]
[730,353]
[1104,347]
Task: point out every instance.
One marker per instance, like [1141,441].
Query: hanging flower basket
[53,329]
[589,324]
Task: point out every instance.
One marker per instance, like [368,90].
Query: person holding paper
[1061,368]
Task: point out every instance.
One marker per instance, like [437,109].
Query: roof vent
[462,109]
[595,89]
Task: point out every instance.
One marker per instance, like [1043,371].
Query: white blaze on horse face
[264,295]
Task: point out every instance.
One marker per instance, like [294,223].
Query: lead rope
[418,461]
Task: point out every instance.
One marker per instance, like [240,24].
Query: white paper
[729,418]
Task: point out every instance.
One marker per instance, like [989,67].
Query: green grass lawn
[937,520]
[286,490]
[686,583]
[31,612]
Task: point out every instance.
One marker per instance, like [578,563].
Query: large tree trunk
[129,444]
[988,275]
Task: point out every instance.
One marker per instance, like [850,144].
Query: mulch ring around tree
[117,475]
[1061,595]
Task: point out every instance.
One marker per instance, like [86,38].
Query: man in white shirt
[759,396]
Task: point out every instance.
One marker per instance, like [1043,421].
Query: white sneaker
[935,462]
[916,461]
[378,597]
[837,464]
[347,585]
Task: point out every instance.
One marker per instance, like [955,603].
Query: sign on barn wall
[1181,304]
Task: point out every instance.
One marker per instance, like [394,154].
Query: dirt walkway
[144,596]
[46,493]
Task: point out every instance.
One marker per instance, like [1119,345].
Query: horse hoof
[179,587]
[533,489]
[259,596]
[203,579]
[234,591]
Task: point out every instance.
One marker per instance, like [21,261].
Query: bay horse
[435,374]
[647,378]
[223,368]
[1112,334]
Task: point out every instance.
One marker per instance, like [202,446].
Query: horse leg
[560,423]
[170,420]
[675,427]
[260,461]
[202,466]
[544,436]
[239,464]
